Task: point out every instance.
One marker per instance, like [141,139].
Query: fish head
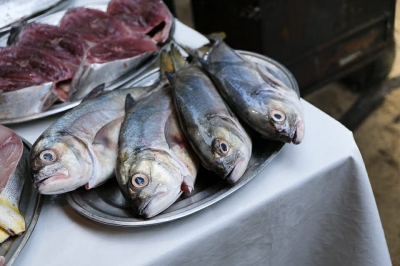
[285,121]
[59,163]
[278,118]
[151,181]
[231,149]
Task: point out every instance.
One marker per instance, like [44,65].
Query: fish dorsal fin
[129,102]
[97,91]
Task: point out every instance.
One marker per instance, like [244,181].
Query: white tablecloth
[312,205]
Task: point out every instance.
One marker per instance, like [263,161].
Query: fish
[262,101]
[212,129]
[80,148]
[14,164]
[155,163]
[17,10]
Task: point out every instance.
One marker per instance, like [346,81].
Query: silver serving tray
[58,107]
[30,206]
[105,204]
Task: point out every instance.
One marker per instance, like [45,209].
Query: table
[312,205]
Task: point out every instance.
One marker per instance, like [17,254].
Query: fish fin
[216,36]
[105,143]
[171,77]
[187,185]
[97,91]
[166,62]
[178,59]
[129,102]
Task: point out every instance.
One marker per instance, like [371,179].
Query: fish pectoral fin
[187,185]
[107,136]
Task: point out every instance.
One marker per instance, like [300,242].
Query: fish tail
[10,218]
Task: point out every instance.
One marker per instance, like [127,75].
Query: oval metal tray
[30,206]
[58,107]
[105,204]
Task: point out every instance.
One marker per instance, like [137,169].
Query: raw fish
[14,165]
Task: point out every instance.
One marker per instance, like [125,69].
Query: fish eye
[139,180]
[47,156]
[277,116]
[222,147]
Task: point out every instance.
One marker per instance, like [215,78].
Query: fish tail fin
[166,63]
[178,59]
[10,218]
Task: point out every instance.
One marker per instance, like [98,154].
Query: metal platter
[58,107]
[30,206]
[105,204]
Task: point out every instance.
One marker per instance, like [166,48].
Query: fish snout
[237,171]
[299,132]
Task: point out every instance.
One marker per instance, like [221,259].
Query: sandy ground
[378,139]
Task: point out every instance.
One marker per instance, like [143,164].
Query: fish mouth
[143,209]
[237,171]
[45,180]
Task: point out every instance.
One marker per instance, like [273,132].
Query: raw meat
[150,17]
[93,25]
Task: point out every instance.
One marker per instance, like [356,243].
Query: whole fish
[80,148]
[17,10]
[4,235]
[216,135]
[14,165]
[261,100]
[155,164]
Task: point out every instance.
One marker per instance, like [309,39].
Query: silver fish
[216,135]
[80,148]
[17,10]
[155,164]
[261,100]
[14,165]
